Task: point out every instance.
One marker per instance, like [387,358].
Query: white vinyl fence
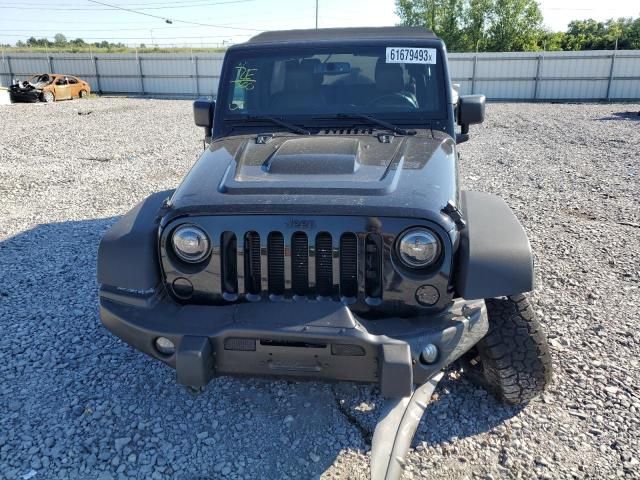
[527,76]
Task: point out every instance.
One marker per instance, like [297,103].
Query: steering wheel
[396,98]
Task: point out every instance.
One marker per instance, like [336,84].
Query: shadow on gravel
[462,409]
[622,116]
[76,402]
[458,409]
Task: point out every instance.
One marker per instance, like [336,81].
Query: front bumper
[29,96]
[306,339]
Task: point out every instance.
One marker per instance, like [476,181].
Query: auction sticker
[411,55]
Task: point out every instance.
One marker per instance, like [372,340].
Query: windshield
[379,81]
[42,78]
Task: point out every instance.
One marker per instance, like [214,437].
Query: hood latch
[452,212]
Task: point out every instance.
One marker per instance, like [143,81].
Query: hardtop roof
[340,35]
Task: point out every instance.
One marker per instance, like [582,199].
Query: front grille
[324,264]
[349,265]
[300,264]
[319,265]
[275,260]
[252,262]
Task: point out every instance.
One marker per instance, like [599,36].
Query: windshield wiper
[376,121]
[289,126]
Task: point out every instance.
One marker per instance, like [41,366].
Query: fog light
[182,287]
[165,346]
[429,353]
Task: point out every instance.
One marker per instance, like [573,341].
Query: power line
[38,6]
[147,37]
[139,6]
[173,20]
[144,28]
[65,9]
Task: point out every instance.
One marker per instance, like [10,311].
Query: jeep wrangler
[322,234]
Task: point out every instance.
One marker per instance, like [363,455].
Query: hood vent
[314,156]
[346,131]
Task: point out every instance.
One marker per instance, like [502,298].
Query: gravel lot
[76,403]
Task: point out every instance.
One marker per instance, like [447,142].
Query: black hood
[377,175]
[318,165]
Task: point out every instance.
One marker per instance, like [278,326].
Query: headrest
[389,76]
[299,77]
[316,69]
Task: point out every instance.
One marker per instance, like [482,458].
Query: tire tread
[514,355]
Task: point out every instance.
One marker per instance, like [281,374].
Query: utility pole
[316,14]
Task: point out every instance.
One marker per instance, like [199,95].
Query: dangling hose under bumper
[395,430]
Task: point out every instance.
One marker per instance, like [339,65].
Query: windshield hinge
[454,214]
[385,137]
[264,138]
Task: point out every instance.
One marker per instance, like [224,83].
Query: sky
[232,21]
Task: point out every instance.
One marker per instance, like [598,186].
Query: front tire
[83,94]
[48,97]
[513,359]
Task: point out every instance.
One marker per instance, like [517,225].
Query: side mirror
[470,111]
[203,115]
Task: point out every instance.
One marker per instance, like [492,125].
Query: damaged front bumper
[301,339]
[24,95]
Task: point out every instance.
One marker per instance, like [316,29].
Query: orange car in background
[49,87]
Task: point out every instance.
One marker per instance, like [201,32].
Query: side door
[62,89]
[74,87]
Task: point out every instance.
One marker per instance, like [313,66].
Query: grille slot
[275,259]
[373,266]
[349,265]
[252,263]
[300,263]
[228,265]
[324,265]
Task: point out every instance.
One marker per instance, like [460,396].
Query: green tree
[60,39]
[444,17]
[476,19]
[633,34]
[551,41]
[467,25]
[516,25]
[38,42]
[593,35]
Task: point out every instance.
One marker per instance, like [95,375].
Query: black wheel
[47,97]
[513,359]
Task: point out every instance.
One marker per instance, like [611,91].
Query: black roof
[342,35]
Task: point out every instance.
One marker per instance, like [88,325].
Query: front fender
[127,255]
[494,257]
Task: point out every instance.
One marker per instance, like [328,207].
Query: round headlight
[190,243]
[418,248]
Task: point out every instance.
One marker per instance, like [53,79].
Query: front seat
[300,89]
[390,88]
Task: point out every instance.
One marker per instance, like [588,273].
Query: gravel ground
[76,403]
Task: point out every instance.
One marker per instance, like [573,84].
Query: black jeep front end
[322,234]
[288,288]
[323,297]
[301,223]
